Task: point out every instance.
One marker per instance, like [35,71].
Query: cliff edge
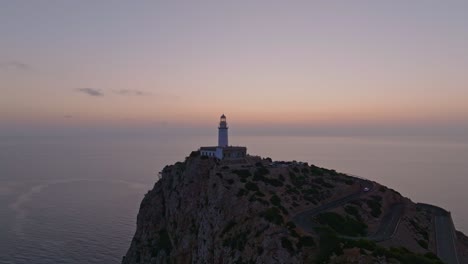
[255,210]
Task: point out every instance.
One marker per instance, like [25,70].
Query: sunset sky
[265,64]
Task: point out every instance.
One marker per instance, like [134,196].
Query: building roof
[234,148]
[208,148]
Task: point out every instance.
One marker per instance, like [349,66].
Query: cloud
[15,65]
[90,91]
[131,92]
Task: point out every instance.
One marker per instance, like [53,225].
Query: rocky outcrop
[195,215]
[206,211]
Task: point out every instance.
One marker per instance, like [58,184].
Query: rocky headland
[258,211]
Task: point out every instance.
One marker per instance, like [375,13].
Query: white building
[223,150]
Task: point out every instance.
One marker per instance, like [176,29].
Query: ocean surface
[75,200]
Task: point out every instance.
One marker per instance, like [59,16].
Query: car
[366,189]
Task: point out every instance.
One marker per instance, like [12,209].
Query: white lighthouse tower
[223,132]
[223,151]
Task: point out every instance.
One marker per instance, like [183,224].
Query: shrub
[194,154]
[342,225]
[375,207]
[297,181]
[228,227]
[259,194]
[329,244]
[281,177]
[349,181]
[241,192]
[237,241]
[251,186]
[286,243]
[423,244]
[164,241]
[316,170]
[273,215]
[290,225]
[242,173]
[352,210]
[307,241]
[259,250]
[260,172]
[275,200]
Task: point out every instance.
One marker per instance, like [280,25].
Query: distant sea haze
[75,200]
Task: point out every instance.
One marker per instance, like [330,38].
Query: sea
[75,199]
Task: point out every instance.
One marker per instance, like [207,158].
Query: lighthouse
[223,151]
[222,132]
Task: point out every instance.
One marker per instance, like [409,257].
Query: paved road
[388,224]
[303,219]
[445,239]
[444,234]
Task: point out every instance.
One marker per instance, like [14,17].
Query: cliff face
[193,215]
[256,211]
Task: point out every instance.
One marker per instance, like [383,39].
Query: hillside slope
[259,211]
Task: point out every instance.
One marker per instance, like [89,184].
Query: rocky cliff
[258,211]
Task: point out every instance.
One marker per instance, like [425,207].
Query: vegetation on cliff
[208,211]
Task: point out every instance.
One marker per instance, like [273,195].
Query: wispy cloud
[15,65]
[131,92]
[90,91]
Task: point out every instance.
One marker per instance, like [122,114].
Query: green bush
[375,207]
[273,215]
[194,154]
[164,242]
[316,170]
[349,181]
[228,227]
[237,241]
[297,181]
[423,244]
[352,210]
[291,225]
[275,200]
[307,241]
[242,192]
[329,244]
[242,173]
[342,225]
[259,250]
[281,178]
[286,243]
[259,194]
[251,186]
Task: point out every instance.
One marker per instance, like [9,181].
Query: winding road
[387,226]
[444,227]
[444,234]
